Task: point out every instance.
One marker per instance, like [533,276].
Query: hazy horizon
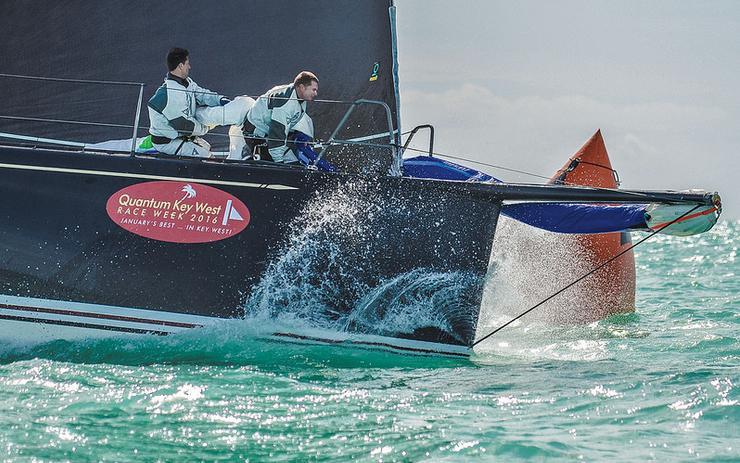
[525,84]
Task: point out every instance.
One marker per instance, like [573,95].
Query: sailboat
[99,240]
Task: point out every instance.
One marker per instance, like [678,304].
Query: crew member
[274,115]
[181,112]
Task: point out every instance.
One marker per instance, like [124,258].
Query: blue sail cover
[439,169]
[554,217]
[579,218]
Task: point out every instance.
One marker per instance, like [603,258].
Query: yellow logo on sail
[374,74]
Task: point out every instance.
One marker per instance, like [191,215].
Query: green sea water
[660,384]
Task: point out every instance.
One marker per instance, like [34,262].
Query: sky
[525,84]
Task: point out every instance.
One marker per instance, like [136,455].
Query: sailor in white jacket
[181,112]
[276,112]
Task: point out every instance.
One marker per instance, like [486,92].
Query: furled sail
[600,218]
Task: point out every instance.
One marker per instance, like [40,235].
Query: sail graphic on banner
[231,214]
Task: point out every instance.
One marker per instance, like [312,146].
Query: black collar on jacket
[179,80]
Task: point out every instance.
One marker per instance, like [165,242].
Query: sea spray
[527,266]
[313,274]
[332,273]
[420,298]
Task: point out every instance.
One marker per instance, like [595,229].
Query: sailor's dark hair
[175,57]
[305,78]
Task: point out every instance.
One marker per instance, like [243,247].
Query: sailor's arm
[205,97]
[174,106]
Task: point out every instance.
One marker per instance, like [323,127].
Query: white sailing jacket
[274,115]
[172,108]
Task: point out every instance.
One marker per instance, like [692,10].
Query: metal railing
[94,82]
[396,168]
[392,145]
[413,132]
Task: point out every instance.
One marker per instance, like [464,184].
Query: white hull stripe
[93,310]
[123,329]
[143,321]
[102,316]
[105,173]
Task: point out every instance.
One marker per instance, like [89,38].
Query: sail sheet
[237,47]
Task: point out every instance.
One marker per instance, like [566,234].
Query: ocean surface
[660,384]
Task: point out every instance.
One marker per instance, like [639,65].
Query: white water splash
[299,283]
[415,299]
[325,276]
[527,266]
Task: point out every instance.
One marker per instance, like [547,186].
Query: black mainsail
[237,48]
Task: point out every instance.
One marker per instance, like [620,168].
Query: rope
[76,81]
[205,91]
[523,172]
[581,161]
[209,92]
[64,121]
[318,141]
[608,261]
[636,194]
[493,166]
